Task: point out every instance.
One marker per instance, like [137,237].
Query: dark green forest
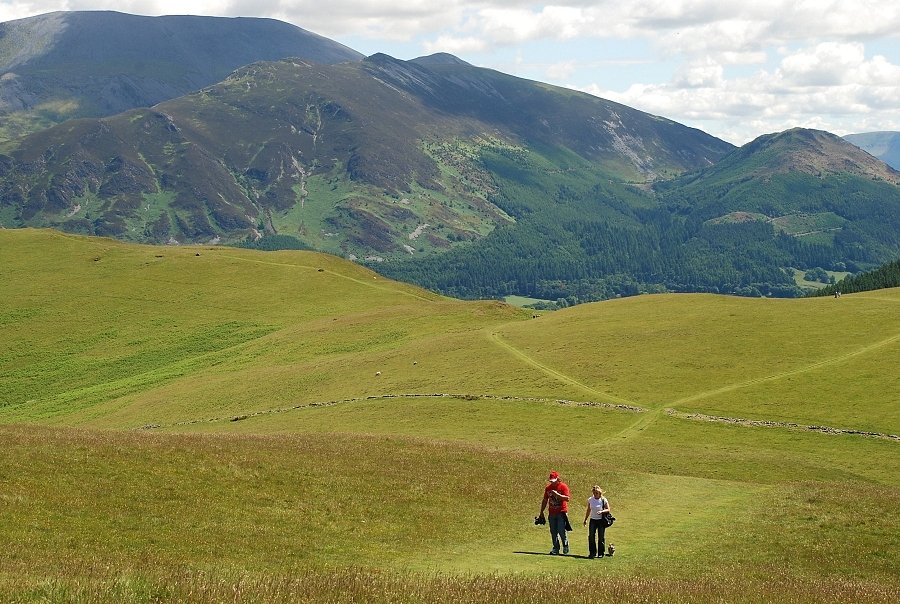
[577,240]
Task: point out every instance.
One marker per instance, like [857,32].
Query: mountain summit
[806,151]
[96,63]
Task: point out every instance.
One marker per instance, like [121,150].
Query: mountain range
[463,179]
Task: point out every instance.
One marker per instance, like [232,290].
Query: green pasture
[208,424]
[800,278]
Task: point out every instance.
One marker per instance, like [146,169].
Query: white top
[597,507]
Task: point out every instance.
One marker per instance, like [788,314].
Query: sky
[736,69]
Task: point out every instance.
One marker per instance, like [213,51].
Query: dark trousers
[598,528]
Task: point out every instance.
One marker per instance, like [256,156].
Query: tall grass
[361,585]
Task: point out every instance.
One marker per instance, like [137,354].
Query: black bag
[608,519]
[540,520]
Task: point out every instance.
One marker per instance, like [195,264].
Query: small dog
[611,550]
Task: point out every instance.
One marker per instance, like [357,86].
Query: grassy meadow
[209,424]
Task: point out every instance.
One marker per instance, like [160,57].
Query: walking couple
[556,501]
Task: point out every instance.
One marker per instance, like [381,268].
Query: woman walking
[597,511]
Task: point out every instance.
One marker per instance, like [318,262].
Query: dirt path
[495,337]
[784,374]
[649,416]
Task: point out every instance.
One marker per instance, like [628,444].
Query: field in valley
[211,424]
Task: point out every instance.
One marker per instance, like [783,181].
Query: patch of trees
[817,274]
[885,276]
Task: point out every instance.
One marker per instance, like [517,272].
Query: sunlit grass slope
[92,326]
[208,424]
[818,360]
[103,333]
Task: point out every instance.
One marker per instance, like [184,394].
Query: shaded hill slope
[883,145]
[85,63]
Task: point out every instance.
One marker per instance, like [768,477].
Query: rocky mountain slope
[366,158]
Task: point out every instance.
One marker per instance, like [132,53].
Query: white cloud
[828,64]
[704,73]
[830,86]
[514,25]
[560,71]
[455,45]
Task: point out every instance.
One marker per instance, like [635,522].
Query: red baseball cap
[554,476]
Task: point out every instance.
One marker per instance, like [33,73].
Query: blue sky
[736,69]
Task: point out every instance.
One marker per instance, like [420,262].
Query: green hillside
[379,161]
[199,423]
[462,180]
[380,158]
[801,198]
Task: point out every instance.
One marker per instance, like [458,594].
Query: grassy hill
[197,423]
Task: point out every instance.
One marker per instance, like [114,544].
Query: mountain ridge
[815,153]
[385,128]
[64,65]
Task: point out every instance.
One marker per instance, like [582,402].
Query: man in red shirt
[556,494]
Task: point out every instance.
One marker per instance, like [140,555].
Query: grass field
[211,424]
